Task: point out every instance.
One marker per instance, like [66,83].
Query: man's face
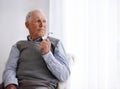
[36,25]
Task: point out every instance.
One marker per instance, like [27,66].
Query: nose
[41,24]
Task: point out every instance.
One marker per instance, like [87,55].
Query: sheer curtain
[89,30]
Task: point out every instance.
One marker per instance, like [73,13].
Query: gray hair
[28,16]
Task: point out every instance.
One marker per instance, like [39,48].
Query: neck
[34,38]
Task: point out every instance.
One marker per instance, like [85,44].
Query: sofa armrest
[65,85]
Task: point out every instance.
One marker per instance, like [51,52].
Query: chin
[40,35]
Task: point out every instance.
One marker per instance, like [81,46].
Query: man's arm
[9,75]
[58,63]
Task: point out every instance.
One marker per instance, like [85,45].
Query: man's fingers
[46,41]
[45,46]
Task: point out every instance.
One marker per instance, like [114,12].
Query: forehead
[38,14]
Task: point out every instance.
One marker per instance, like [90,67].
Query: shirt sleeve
[9,74]
[58,63]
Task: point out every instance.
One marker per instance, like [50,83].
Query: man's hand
[11,86]
[45,46]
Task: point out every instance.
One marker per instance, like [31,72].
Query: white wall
[118,53]
[12,29]
[56,18]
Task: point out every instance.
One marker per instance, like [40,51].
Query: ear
[27,24]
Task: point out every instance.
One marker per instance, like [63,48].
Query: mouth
[41,29]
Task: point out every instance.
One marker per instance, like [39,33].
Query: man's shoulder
[21,42]
[53,40]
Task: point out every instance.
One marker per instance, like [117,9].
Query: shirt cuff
[11,82]
[47,56]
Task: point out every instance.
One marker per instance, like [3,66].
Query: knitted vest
[31,65]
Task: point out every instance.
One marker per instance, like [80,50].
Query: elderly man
[36,63]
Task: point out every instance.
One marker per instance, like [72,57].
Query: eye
[44,21]
[38,20]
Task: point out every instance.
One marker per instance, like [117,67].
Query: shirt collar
[37,40]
